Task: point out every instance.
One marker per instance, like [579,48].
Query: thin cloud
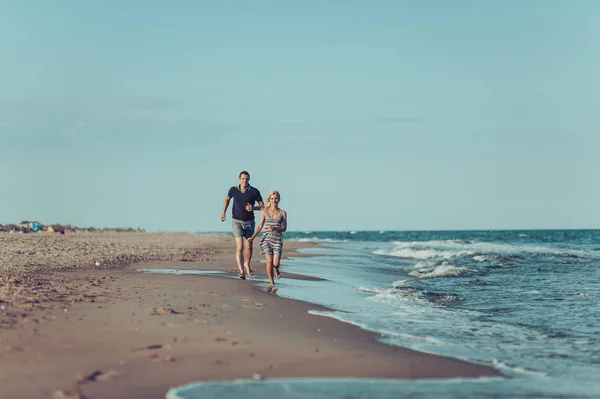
[73,117]
[396,120]
[77,127]
[354,122]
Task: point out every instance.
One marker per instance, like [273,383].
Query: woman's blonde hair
[271,206]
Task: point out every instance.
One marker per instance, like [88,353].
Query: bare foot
[277,273]
[248,270]
[271,290]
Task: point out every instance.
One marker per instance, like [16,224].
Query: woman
[274,220]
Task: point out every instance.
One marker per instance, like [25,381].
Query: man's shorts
[242,228]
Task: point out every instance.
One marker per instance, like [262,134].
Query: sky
[364,115]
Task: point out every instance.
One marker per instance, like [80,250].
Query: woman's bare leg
[270,269]
[276,259]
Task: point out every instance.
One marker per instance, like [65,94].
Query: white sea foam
[376,290]
[516,369]
[384,332]
[412,301]
[409,337]
[316,239]
[392,291]
[408,253]
[400,283]
[481,251]
[587,294]
[444,270]
[428,264]
[437,268]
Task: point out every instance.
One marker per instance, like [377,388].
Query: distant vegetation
[36,227]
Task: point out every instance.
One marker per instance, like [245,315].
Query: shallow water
[524,302]
[366,389]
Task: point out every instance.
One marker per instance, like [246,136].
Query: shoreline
[143,334]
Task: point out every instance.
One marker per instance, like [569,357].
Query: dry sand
[71,329]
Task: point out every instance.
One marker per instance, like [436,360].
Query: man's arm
[225,205]
[261,204]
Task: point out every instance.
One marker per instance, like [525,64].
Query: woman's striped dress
[271,242]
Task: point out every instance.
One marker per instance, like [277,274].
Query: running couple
[274,220]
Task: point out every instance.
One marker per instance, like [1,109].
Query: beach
[80,320]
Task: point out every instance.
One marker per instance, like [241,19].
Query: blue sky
[364,115]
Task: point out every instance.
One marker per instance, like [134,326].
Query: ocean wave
[518,370]
[479,251]
[376,290]
[443,298]
[410,253]
[389,292]
[443,270]
[317,240]
[411,299]
[382,331]
[398,288]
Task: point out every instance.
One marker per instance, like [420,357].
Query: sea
[526,303]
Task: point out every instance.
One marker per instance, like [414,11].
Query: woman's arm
[283,226]
[260,226]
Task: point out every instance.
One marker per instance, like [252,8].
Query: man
[242,212]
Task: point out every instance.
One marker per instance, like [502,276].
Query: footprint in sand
[147,347]
[163,310]
[67,394]
[165,358]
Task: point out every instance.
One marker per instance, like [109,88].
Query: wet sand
[74,329]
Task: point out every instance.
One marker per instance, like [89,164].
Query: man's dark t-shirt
[240,199]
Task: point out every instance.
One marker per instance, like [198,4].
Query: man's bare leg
[248,258]
[239,254]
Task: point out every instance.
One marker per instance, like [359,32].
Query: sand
[71,328]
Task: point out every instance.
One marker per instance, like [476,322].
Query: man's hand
[249,207]
[223,218]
